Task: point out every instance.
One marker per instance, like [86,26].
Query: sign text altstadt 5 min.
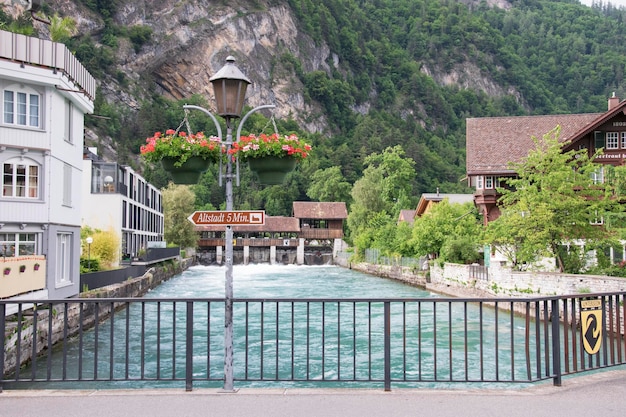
[217,218]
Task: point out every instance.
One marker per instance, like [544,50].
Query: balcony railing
[41,52]
[22,274]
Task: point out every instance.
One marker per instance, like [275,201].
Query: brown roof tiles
[493,142]
[319,210]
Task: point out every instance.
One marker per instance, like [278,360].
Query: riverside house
[46,93]
[494,142]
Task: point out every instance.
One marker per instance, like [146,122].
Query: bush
[89,265]
[461,250]
[139,35]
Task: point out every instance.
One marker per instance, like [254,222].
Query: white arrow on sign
[256,218]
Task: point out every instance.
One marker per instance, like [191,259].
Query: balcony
[22,274]
[486,196]
[43,53]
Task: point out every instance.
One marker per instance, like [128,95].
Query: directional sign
[217,218]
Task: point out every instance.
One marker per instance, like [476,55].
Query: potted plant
[7,271]
[271,157]
[22,268]
[184,156]
[36,267]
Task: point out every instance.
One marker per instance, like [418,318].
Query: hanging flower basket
[36,267]
[271,170]
[22,268]
[271,157]
[7,271]
[187,173]
[184,156]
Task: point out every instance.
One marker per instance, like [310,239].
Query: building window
[17,244]
[598,176]
[64,258]
[69,109]
[623,139]
[612,141]
[67,185]
[487,182]
[21,108]
[20,178]
[597,220]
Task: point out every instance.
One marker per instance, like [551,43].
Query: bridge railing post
[556,344]
[189,348]
[387,348]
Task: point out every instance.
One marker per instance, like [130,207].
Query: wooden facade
[493,143]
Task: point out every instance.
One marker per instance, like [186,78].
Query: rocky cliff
[190,42]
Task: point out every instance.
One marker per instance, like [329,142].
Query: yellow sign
[592,323]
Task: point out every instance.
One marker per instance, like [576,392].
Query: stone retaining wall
[456,280]
[132,288]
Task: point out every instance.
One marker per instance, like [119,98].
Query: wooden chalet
[494,142]
[428,200]
[320,220]
[406,216]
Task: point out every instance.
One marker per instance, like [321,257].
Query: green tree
[444,224]
[329,185]
[104,249]
[397,174]
[381,192]
[554,200]
[178,205]
[367,200]
[62,28]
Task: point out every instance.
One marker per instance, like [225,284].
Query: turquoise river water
[413,331]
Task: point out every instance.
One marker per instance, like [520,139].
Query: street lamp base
[227,391]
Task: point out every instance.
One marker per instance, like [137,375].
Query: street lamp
[89,241]
[229,87]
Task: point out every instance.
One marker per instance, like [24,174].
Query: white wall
[47,145]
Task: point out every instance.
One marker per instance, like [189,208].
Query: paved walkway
[598,394]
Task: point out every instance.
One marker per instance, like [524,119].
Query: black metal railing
[480,272]
[312,342]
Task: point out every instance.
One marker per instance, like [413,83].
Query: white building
[116,198]
[45,94]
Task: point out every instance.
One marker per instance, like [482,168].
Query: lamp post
[89,241]
[229,87]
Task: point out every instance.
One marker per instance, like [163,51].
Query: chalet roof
[493,142]
[406,216]
[319,210]
[437,197]
[272,224]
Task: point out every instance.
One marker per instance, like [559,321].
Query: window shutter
[599,140]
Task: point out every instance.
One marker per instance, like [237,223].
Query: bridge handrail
[314,340]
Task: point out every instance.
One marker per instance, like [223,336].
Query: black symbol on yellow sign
[591,319]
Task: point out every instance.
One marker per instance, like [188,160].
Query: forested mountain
[354,76]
